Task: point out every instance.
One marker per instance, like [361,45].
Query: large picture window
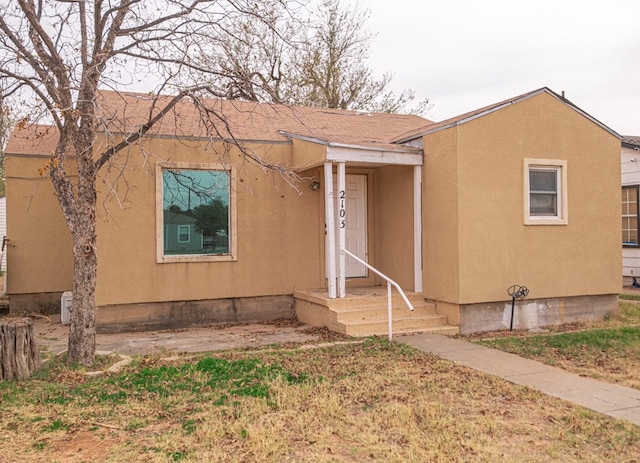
[545,192]
[196,219]
[630,215]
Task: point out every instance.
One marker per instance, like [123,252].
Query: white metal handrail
[389,283]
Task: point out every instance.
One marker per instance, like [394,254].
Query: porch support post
[342,227]
[330,237]
[417,228]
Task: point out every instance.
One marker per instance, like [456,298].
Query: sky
[466,54]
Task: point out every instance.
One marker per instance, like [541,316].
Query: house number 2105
[342,209]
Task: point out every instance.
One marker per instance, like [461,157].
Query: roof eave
[319,141]
[507,103]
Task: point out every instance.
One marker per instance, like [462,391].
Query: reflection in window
[195,206]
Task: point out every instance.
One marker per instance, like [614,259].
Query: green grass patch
[40,445]
[221,377]
[607,354]
[619,341]
[214,379]
[629,297]
[56,425]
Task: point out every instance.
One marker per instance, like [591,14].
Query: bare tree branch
[60,53]
[317,62]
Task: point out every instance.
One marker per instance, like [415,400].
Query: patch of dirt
[84,446]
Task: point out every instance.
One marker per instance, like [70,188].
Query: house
[522,192]
[630,166]
[3,232]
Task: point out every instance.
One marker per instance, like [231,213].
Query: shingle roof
[32,139]
[467,117]
[632,140]
[123,112]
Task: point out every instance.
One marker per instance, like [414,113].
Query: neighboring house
[521,192]
[181,235]
[630,163]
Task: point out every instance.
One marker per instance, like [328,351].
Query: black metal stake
[513,304]
[516,292]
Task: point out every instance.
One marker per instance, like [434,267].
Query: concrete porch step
[378,330]
[376,326]
[358,297]
[379,311]
[364,312]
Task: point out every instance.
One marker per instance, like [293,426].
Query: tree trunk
[19,354]
[82,331]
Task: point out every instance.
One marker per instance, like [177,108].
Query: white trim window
[184,233]
[195,212]
[545,192]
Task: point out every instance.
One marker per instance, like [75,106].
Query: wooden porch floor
[363,312]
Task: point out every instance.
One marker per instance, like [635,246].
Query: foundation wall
[189,314]
[42,303]
[536,313]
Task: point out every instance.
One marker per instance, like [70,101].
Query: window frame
[562,212]
[629,244]
[161,258]
[180,228]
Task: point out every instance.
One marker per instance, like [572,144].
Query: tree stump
[19,354]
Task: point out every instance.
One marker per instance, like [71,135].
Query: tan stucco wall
[393,205]
[307,154]
[278,232]
[440,217]
[495,248]
[39,254]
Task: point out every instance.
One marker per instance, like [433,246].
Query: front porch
[363,312]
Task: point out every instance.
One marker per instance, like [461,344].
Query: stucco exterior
[39,253]
[473,236]
[476,242]
[489,246]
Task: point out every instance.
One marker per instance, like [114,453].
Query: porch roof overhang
[370,155]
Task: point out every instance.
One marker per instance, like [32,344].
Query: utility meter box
[65,307]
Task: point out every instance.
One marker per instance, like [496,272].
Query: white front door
[355,197]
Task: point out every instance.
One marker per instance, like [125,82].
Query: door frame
[365,195]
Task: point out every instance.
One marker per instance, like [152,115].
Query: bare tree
[6,124]
[58,54]
[319,62]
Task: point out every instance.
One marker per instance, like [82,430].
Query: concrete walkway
[609,399]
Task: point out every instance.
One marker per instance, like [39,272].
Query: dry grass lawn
[361,402]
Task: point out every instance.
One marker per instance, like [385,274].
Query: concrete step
[373,320]
[358,298]
[433,324]
[364,312]
[356,313]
